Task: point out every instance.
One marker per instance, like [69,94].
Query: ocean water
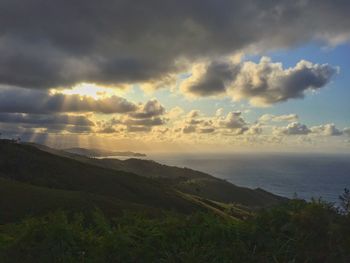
[305,175]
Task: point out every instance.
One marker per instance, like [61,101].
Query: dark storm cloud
[46,44]
[19,100]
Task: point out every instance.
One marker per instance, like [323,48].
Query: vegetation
[58,208]
[183,179]
[35,180]
[32,172]
[296,231]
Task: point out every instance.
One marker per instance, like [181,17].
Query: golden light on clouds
[91,90]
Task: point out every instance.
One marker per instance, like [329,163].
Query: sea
[291,175]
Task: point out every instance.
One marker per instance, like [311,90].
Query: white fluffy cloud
[262,83]
[233,120]
[294,128]
[326,130]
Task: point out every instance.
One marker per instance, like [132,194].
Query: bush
[293,232]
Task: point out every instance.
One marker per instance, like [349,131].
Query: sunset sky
[166,75]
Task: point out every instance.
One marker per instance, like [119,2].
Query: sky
[177,76]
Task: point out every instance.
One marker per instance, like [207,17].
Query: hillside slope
[19,200]
[27,164]
[183,179]
[191,182]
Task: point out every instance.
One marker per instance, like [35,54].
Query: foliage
[345,201]
[296,231]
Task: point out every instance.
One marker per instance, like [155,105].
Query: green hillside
[183,179]
[59,207]
[190,181]
[29,165]
[19,200]
[36,179]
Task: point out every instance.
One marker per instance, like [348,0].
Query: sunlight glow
[90,90]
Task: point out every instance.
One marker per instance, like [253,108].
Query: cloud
[294,128]
[262,83]
[138,129]
[53,123]
[346,131]
[278,118]
[45,119]
[212,80]
[189,129]
[107,130]
[151,108]
[219,112]
[147,115]
[154,121]
[233,120]
[193,114]
[38,108]
[19,100]
[16,129]
[131,42]
[206,130]
[175,112]
[326,130]
[254,129]
[266,83]
[231,124]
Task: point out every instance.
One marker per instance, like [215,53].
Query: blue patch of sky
[330,104]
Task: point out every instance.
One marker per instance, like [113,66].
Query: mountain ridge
[184,179]
[43,179]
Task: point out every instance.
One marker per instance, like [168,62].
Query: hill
[34,167]
[172,218]
[101,153]
[43,179]
[183,179]
[19,200]
[193,182]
